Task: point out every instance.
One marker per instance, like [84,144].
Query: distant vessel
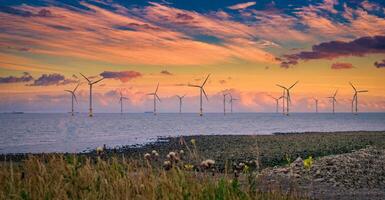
[148,112]
[16,112]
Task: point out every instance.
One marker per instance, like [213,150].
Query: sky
[247,46]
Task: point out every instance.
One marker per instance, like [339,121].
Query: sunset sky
[247,46]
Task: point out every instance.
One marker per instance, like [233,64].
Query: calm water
[63,133]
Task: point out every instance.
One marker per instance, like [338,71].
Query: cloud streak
[339,65]
[242,5]
[123,76]
[26,77]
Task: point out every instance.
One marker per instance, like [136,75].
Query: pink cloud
[242,5]
[339,65]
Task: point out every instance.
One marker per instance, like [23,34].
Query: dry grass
[73,177]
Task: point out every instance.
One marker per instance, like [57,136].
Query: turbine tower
[156,97]
[224,101]
[333,98]
[90,83]
[355,98]
[316,104]
[231,102]
[121,98]
[288,99]
[73,96]
[202,90]
[277,102]
[180,102]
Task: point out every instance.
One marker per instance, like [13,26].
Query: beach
[350,163]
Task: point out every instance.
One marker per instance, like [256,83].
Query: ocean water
[20,133]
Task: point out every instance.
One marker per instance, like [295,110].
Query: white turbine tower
[224,101]
[231,102]
[180,102]
[277,102]
[355,98]
[121,98]
[288,99]
[202,90]
[316,104]
[156,97]
[333,98]
[90,83]
[73,97]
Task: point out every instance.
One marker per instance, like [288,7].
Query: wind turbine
[121,101]
[316,104]
[202,90]
[231,102]
[355,98]
[155,95]
[224,101]
[333,98]
[73,96]
[288,99]
[277,101]
[180,102]
[90,83]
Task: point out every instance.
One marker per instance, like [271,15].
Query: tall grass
[73,177]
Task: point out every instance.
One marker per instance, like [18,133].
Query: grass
[73,177]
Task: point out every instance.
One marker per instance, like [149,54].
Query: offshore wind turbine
[231,102]
[288,99]
[73,97]
[355,98]
[316,104]
[121,98]
[224,101]
[277,102]
[90,83]
[180,102]
[202,90]
[333,98]
[156,97]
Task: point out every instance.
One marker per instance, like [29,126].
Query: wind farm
[192,100]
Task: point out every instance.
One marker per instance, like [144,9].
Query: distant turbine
[180,102]
[73,96]
[121,101]
[201,91]
[224,101]
[90,83]
[155,95]
[277,101]
[316,105]
[333,98]
[231,102]
[288,99]
[355,98]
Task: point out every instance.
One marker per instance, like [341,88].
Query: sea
[37,133]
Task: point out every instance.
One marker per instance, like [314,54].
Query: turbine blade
[206,80]
[204,92]
[98,80]
[190,85]
[75,97]
[353,86]
[335,93]
[363,91]
[157,87]
[76,87]
[158,98]
[68,91]
[86,78]
[150,93]
[281,86]
[293,85]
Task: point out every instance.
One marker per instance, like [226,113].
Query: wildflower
[167,165]
[307,163]
[188,166]
[207,164]
[154,152]
[245,169]
[193,141]
[181,151]
[147,156]
[99,150]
